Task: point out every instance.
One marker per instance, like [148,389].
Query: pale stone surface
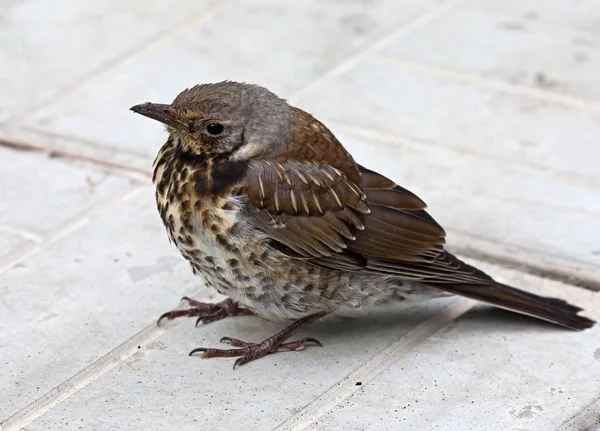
[512,129]
[84,295]
[161,387]
[53,47]
[40,194]
[505,50]
[488,370]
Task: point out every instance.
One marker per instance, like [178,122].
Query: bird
[270,208]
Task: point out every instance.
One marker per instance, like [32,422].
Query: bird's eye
[215,129]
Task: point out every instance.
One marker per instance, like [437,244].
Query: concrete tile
[161,387]
[488,371]
[483,197]
[552,62]
[283,46]
[580,14]
[82,296]
[512,129]
[51,47]
[44,194]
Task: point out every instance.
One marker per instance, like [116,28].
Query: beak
[158,112]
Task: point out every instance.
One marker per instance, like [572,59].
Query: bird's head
[236,120]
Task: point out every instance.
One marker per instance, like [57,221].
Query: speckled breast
[204,217]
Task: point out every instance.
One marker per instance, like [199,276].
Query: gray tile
[47,48]
[488,371]
[82,296]
[283,46]
[383,98]
[161,387]
[43,194]
[552,62]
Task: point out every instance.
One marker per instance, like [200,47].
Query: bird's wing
[400,238]
[314,211]
[317,213]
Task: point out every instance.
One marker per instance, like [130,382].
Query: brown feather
[314,210]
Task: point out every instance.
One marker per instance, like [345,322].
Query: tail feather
[550,309]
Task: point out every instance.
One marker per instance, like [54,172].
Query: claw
[240,361]
[206,312]
[198,349]
[170,315]
[226,340]
[164,315]
[312,340]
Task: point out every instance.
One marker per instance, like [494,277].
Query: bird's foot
[207,312]
[251,351]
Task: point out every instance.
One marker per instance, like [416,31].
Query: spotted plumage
[265,203]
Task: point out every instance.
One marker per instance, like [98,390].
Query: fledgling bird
[265,202]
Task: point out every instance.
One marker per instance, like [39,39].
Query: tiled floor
[488,109]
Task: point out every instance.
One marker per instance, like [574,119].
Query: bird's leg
[251,351]
[207,312]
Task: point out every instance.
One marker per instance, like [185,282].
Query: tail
[550,309]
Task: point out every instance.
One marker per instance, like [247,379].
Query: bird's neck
[209,174]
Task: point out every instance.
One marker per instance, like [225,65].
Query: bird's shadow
[385,324]
[485,317]
[481,318]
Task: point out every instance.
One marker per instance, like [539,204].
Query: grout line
[52,134]
[22,253]
[388,138]
[421,21]
[544,27]
[136,51]
[135,173]
[586,419]
[93,213]
[514,21]
[532,262]
[22,233]
[374,367]
[487,83]
[83,378]
[92,372]
[18,255]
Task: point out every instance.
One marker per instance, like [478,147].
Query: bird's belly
[237,262]
[257,284]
